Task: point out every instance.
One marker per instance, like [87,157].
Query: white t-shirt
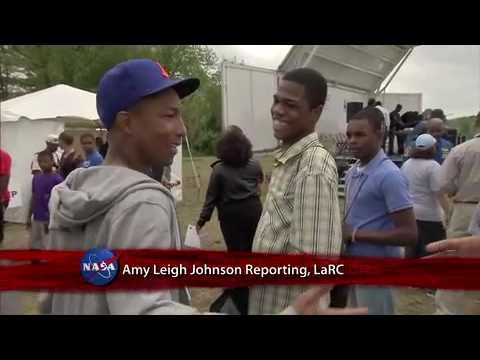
[423,184]
[386,115]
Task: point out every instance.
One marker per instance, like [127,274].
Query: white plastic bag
[192,239]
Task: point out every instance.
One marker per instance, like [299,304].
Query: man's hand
[307,303]
[460,247]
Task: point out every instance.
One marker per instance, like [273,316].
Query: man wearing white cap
[429,204]
[52,146]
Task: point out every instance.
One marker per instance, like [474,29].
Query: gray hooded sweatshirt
[117,208]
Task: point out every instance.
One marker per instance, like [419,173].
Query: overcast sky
[447,75]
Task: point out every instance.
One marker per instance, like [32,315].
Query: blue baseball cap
[425,141]
[127,83]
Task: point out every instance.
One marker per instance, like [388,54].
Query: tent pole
[310,56]
[396,71]
[195,174]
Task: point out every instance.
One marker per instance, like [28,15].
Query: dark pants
[238,221]
[339,293]
[400,143]
[339,296]
[428,232]
[391,139]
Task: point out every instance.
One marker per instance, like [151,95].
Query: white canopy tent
[27,120]
[25,123]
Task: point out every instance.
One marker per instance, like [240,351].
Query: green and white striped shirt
[301,215]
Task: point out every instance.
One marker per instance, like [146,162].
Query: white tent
[25,123]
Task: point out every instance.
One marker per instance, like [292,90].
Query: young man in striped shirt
[301,213]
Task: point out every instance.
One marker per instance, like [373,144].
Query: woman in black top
[234,189]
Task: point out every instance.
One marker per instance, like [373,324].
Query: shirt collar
[372,164]
[285,154]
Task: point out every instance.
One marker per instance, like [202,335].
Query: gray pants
[39,235]
[379,300]
[39,239]
[449,302]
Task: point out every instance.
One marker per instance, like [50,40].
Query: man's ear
[380,132]
[317,111]
[123,122]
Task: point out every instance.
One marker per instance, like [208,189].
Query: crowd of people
[123,204]
[49,167]
[389,211]
[406,127]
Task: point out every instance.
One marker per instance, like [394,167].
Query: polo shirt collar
[372,164]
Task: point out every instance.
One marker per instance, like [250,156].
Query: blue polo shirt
[443,147]
[93,159]
[373,193]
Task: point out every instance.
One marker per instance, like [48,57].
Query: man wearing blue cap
[118,205]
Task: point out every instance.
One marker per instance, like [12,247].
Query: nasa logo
[99,266]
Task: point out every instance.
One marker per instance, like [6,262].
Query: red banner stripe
[60,270]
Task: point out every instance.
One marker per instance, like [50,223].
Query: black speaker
[353,108]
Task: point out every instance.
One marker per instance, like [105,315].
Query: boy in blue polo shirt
[379,217]
[93,157]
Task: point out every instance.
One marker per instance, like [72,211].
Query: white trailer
[354,74]
[247,94]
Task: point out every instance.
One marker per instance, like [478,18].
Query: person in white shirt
[51,146]
[429,204]
[386,117]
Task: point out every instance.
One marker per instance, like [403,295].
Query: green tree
[41,66]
